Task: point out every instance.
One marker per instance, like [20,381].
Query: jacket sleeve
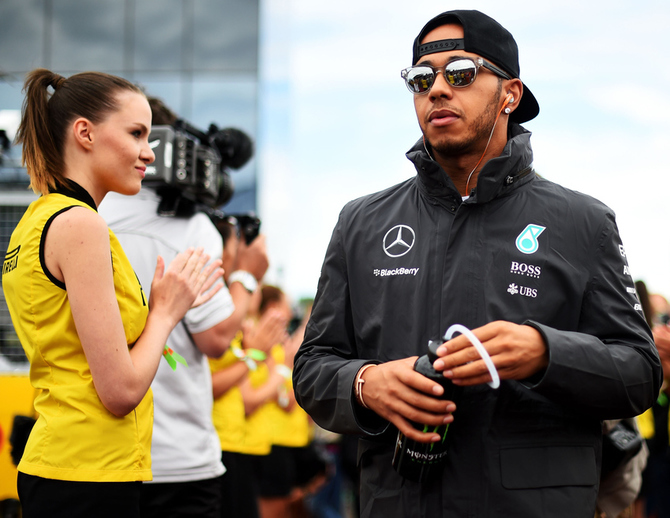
[327,361]
[609,368]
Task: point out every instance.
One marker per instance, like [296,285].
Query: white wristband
[284,371]
[245,278]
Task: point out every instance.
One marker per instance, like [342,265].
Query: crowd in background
[653,499]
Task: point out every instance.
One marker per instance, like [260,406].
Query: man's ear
[514,87]
[82,130]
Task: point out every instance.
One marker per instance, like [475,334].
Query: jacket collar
[499,175]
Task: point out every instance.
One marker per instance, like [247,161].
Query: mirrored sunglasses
[459,73]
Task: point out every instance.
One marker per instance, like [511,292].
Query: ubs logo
[513,289]
[399,240]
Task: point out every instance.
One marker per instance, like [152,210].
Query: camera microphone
[234,145]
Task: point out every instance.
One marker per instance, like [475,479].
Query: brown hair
[45,118]
[645,302]
[269,295]
[160,113]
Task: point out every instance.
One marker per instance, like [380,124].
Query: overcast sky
[598,69]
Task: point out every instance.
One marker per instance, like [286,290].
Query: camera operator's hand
[253,258]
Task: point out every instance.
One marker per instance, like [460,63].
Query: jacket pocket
[548,466]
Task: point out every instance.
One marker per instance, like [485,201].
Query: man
[477,238]
[185,449]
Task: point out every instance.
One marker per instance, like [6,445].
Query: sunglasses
[459,73]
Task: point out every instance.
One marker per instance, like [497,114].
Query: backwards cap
[484,36]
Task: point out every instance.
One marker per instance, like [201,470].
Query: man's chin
[451,147]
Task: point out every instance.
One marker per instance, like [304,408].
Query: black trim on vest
[42,243]
[73,190]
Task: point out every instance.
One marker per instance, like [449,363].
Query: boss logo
[528,270]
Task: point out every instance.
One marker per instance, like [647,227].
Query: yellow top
[645,422]
[228,409]
[75,438]
[288,428]
[257,426]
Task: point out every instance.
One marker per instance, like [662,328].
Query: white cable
[458,328]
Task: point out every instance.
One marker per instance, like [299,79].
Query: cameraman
[185,447]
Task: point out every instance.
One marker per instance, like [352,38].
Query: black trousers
[239,487]
[47,498]
[201,498]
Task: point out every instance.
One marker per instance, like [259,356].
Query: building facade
[199,56]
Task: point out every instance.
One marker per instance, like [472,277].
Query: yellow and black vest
[75,438]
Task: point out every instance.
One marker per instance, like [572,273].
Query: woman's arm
[77,251]
[254,398]
[225,379]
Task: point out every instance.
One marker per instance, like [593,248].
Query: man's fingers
[412,433]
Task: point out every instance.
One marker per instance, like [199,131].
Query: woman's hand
[186,283]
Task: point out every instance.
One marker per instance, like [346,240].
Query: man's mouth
[442,117]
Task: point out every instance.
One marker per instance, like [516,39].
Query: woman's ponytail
[41,155]
[46,118]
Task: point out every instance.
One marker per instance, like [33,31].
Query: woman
[93,340]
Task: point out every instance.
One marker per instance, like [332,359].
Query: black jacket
[406,263]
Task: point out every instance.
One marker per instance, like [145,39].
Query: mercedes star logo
[398,241]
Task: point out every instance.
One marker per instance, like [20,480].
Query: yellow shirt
[75,438]
[292,428]
[257,426]
[228,409]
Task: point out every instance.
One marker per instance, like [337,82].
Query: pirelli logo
[11,260]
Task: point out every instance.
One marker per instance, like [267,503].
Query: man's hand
[399,394]
[517,351]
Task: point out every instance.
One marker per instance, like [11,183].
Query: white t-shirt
[185,446]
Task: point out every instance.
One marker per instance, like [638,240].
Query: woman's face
[121,149]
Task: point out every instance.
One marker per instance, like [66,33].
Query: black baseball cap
[484,36]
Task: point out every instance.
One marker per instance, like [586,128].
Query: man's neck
[464,169]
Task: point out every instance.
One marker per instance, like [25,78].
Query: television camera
[191,171]
[192,167]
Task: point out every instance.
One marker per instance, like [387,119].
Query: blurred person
[294,468]
[239,486]
[660,307]
[476,238]
[259,389]
[185,448]
[623,465]
[655,424]
[646,302]
[621,473]
[93,338]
